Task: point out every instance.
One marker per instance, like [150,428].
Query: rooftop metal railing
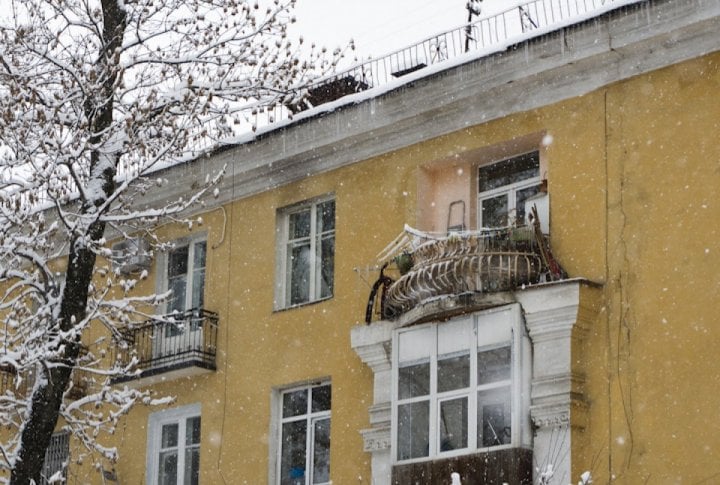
[474,36]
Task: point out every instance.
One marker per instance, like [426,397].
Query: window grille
[56,458]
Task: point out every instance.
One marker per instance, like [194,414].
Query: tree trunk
[48,396]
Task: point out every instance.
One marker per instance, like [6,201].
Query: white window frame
[509,190]
[164,260]
[277,430]
[156,421]
[283,270]
[521,430]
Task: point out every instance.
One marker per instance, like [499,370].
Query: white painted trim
[510,190]
[553,314]
[276,419]
[155,422]
[519,382]
[161,262]
[282,297]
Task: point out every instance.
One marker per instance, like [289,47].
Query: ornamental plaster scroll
[556,415]
[376,439]
[552,418]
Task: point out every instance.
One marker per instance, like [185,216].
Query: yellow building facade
[609,368]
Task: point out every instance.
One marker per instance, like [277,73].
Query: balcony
[172,346]
[472,265]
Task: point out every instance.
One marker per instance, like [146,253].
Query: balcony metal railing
[484,33]
[487,260]
[174,341]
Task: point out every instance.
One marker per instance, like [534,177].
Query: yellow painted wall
[664,291]
[634,177]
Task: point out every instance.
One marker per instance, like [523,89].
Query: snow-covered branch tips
[97,97]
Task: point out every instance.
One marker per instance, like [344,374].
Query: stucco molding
[556,315]
[372,343]
[376,439]
[551,316]
[550,416]
[570,414]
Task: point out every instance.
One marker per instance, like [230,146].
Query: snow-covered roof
[551,63]
[441,51]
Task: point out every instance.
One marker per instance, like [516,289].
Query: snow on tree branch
[95,97]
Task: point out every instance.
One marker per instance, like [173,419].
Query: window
[304,451]
[307,250]
[185,273]
[56,458]
[459,385]
[504,187]
[174,447]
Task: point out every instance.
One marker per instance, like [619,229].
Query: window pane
[295,403]
[167,468]
[198,289]
[453,373]
[321,451]
[493,365]
[494,328]
[415,344]
[506,172]
[192,466]
[520,197]
[494,417]
[199,255]
[321,397]
[454,337]
[169,438]
[299,273]
[327,265]
[414,380]
[292,460]
[454,424]
[299,224]
[494,211]
[192,431]
[413,430]
[178,261]
[177,285]
[326,216]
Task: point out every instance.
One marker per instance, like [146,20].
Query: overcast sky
[382,26]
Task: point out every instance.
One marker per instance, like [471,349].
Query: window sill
[301,305]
